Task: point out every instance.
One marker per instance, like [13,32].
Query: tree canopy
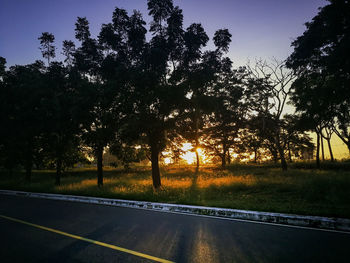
[321,58]
[141,91]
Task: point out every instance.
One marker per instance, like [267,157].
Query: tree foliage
[47,49]
[136,96]
[321,58]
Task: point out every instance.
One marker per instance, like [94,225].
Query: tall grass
[254,187]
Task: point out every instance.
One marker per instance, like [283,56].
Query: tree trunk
[197,139]
[223,157]
[155,165]
[318,151]
[281,154]
[255,155]
[196,148]
[228,156]
[99,156]
[322,148]
[283,159]
[330,149]
[273,152]
[197,160]
[223,161]
[58,171]
[289,154]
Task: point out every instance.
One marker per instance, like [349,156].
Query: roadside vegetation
[166,92]
[300,190]
[141,91]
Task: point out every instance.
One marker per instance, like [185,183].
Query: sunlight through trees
[167,94]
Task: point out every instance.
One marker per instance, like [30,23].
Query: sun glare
[203,158]
[186,146]
[167,160]
[189,154]
[189,157]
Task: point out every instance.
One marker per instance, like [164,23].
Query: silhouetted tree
[82,29]
[154,98]
[228,116]
[196,73]
[24,87]
[160,11]
[297,139]
[2,67]
[60,105]
[326,133]
[250,143]
[47,49]
[322,60]
[269,90]
[103,68]
[68,51]
[9,154]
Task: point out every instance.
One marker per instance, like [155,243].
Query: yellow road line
[135,253]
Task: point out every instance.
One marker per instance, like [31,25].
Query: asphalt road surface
[39,230]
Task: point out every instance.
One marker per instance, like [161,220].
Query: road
[164,236]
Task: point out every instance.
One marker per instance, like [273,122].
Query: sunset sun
[189,154]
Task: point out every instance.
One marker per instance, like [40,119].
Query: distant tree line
[138,97]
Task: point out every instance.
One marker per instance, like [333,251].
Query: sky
[260,28]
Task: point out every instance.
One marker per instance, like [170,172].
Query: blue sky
[260,28]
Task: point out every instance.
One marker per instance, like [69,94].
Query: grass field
[300,190]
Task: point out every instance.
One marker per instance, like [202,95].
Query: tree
[268,90]
[2,67]
[136,36]
[321,59]
[308,97]
[327,135]
[68,51]
[199,74]
[47,49]
[297,140]
[228,117]
[194,75]
[222,40]
[9,154]
[160,10]
[62,130]
[250,143]
[126,152]
[154,97]
[82,29]
[102,65]
[24,87]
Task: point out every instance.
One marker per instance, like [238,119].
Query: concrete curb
[340,224]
